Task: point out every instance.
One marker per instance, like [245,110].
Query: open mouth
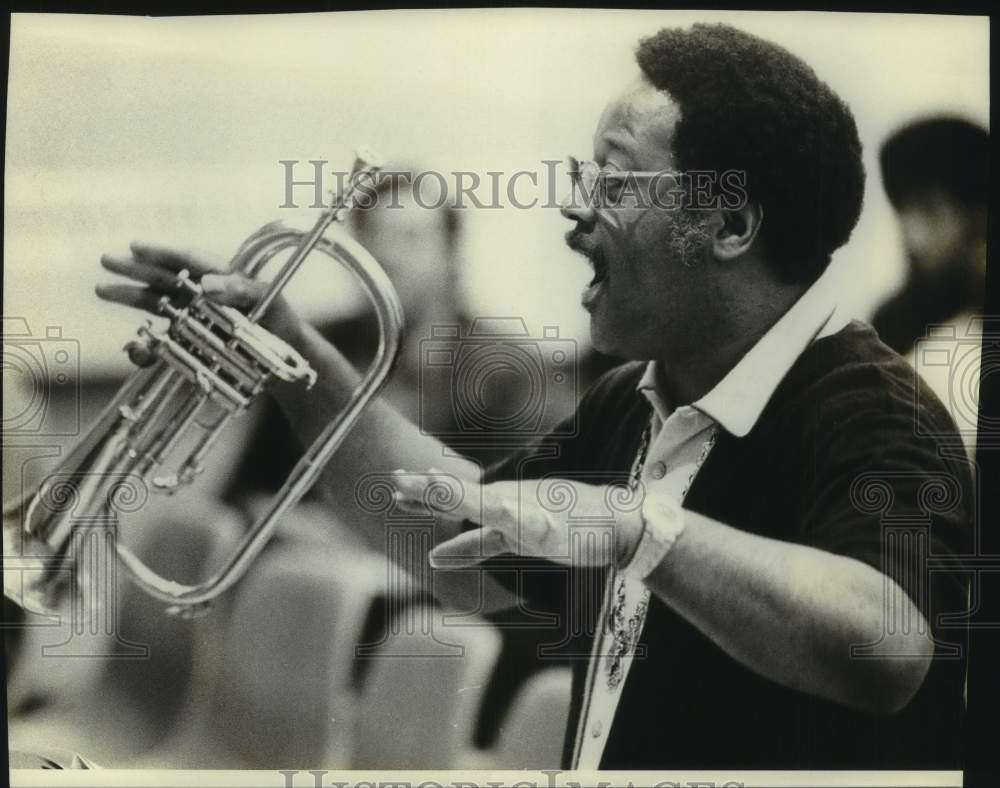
[574,239]
[600,268]
[597,281]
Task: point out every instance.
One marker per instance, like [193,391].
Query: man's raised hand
[155,268]
[562,520]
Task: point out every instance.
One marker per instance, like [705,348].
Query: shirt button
[596,730]
[658,471]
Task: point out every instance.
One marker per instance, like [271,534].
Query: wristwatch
[663,522]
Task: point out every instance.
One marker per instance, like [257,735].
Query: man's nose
[576,209]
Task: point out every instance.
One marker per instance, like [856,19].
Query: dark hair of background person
[749,105]
[936,169]
[946,153]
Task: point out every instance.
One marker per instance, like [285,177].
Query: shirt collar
[737,400]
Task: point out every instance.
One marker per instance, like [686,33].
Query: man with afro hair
[732,539]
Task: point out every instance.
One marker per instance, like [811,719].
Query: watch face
[663,524]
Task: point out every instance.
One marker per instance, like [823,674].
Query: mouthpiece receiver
[366,159]
[367,163]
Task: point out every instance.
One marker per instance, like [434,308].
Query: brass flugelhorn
[205,369]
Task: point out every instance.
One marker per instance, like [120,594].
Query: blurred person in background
[718,624]
[419,248]
[936,175]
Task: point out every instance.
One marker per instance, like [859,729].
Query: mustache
[575,240]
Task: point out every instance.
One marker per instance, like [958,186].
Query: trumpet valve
[166,307]
[140,352]
[190,472]
[127,412]
[185,281]
[166,484]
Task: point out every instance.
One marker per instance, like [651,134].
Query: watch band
[663,522]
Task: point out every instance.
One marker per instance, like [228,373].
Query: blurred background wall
[172,129]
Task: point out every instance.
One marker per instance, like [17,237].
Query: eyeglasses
[606,190]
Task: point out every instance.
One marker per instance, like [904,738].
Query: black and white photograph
[500,396]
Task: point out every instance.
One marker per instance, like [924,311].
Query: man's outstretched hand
[155,268]
[562,520]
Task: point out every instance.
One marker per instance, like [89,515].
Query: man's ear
[736,230]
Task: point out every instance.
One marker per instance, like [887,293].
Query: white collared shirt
[680,440]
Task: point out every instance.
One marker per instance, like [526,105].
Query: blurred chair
[113,694]
[312,524]
[423,692]
[282,695]
[532,732]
